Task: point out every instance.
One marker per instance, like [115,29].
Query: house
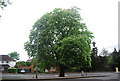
[6,62]
[29,60]
[52,70]
[27,67]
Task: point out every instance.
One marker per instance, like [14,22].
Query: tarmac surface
[94,76]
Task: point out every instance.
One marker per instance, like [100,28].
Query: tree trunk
[62,72]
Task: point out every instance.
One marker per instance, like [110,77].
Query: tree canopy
[59,38]
[4,3]
[14,55]
[114,59]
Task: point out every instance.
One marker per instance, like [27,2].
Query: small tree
[14,55]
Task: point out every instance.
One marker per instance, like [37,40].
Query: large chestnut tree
[59,38]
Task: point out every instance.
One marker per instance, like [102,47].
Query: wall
[12,63]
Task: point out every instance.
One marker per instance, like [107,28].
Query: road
[109,76]
[85,80]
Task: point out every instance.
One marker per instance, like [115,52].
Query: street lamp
[37,61]
[37,57]
[37,49]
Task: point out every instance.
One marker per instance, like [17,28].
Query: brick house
[27,69]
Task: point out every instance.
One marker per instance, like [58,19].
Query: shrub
[12,70]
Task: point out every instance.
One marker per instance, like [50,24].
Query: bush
[12,70]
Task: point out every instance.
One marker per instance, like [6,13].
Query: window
[7,62]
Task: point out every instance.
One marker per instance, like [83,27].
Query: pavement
[104,76]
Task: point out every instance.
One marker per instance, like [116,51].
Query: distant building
[52,70]
[26,67]
[6,62]
[29,60]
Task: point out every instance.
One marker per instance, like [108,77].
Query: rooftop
[6,58]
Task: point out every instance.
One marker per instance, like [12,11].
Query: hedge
[12,70]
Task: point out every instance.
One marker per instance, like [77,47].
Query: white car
[22,71]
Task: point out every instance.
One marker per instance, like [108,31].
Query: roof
[29,60]
[20,61]
[6,58]
[24,67]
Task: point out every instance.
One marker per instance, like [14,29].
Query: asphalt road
[84,80]
[67,80]
[103,76]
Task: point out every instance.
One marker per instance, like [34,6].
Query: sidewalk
[51,78]
[28,77]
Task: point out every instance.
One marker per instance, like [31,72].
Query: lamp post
[37,28]
[36,73]
[37,62]
[37,59]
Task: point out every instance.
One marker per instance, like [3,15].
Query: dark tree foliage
[99,62]
[114,59]
[23,64]
[4,3]
[94,57]
[105,61]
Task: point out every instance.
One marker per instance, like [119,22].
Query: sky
[100,16]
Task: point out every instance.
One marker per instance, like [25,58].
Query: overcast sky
[100,16]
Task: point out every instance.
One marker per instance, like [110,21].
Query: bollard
[116,69]
[33,76]
[82,73]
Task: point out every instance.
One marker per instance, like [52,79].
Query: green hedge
[12,70]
